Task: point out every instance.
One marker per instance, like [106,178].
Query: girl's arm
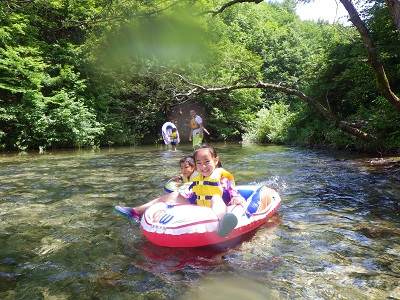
[177,178]
[236,198]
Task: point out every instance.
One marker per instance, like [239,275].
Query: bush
[271,125]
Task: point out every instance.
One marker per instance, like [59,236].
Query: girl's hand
[175,179]
[236,201]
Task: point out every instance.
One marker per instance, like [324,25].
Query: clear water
[336,234]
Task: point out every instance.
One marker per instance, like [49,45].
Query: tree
[373,59]
[373,56]
[394,9]
[112,61]
[42,93]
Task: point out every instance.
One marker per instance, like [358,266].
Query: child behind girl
[213,187]
[188,170]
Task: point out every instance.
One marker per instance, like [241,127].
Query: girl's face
[186,169]
[205,162]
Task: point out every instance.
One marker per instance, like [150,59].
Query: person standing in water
[173,136]
[196,129]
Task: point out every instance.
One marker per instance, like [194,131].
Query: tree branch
[342,125]
[14,6]
[228,4]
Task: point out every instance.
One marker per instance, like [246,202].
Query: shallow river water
[335,236]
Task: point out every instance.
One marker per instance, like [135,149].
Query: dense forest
[99,73]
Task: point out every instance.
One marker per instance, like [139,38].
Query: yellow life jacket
[206,187]
[173,136]
[190,179]
[193,124]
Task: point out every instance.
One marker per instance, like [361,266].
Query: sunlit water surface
[336,234]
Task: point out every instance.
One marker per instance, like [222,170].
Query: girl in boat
[213,187]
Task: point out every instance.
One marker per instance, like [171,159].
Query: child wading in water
[174,138]
[213,187]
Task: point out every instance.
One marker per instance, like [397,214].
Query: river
[335,236]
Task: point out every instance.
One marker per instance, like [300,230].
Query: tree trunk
[394,9]
[373,57]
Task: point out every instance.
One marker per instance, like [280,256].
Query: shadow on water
[336,234]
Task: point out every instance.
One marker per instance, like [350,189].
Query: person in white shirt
[196,129]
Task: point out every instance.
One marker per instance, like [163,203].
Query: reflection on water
[201,261]
[336,234]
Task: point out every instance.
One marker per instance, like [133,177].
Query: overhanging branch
[228,4]
[342,125]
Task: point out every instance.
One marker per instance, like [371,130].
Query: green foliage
[37,66]
[387,40]
[383,123]
[342,83]
[70,124]
[271,124]
[347,87]
[90,73]
[306,129]
[229,114]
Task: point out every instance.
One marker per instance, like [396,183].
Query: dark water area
[335,236]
